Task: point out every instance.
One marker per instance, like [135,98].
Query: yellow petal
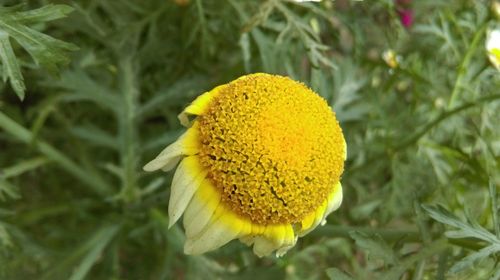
[311,221]
[202,102]
[263,246]
[279,238]
[316,217]
[201,209]
[187,178]
[168,164]
[307,222]
[334,201]
[198,106]
[215,235]
[288,243]
[247,240]
[345,150]
[167,159]
[170,156]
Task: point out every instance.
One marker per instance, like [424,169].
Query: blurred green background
[102,83]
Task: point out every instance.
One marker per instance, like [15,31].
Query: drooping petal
[312,220]
[263,246]
[205,175]
[201,209]
[248,240]
[170,156]
[334,201]
[289,242]
[223,227]
[187,178]
[279,238]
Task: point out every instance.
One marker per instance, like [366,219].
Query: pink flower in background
[405,12]
[406,17]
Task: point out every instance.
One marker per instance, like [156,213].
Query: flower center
[272,147]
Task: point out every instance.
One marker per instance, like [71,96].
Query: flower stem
[128,130]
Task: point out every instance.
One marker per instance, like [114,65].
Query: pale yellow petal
[316,217]
[221,229]
[170,156]
[289,242]
[279,238]
[201,209]
[169,164]
[334,201]
[187,178]
[247,240]
[263,246]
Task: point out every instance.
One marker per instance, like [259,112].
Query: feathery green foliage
[421,184]
[45,50]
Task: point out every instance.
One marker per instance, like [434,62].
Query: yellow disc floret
[272,147]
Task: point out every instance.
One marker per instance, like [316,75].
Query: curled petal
[187,178]
[201,209]
[170,156]
[216,234]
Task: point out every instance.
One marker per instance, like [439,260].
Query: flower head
[391,58]
[261,162]
[493,47]
[406,17]
[405,12]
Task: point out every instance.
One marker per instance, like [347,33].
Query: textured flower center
[272,147]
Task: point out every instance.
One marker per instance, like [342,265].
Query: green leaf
[336,274]
[95,247]
[88,253]
[45,50]
[375,245]
[7,190]
[496,276]
[43,14]
[23,166]
[83,87]
[472,258]
[442,215]
[11,69]
[5,239]
[244,44]
[494,207]
[95,135]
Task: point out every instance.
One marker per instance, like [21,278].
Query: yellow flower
[261,161]
[493,47]
[391,58]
